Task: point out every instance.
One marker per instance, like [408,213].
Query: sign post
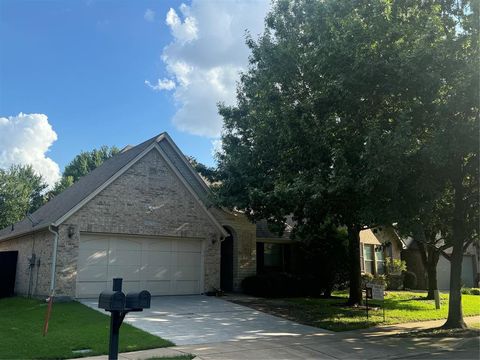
[375,292]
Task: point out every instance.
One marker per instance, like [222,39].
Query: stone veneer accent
[148,199]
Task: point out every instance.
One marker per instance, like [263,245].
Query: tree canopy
[341,100]
[21,192]
[81,165]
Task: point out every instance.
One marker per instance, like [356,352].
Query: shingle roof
[68,199]
[264,232]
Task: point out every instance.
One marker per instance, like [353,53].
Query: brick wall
[36,280]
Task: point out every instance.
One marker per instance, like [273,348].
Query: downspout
[54,231]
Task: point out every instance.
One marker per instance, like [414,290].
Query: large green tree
[444,159]
[21,192]
[339,100]
[81,165]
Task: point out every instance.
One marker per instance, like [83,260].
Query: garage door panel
[163,266]
[132,244]
[124,257]
[188,246]
[130,286]
[187,273]
[189,259]
[159,287]
[158,245]
[92,273]
[93,257]
[95,244]
[153,272]
[157,257]
[443,272]
[126,272]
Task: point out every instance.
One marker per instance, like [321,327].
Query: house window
[369,259]
[372,259]
[380,261]
[362,261]
[272,257]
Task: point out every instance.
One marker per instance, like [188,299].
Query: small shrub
[409,280]
[471,291]
[394,269]
[375,279]
[395,266]
[366,278]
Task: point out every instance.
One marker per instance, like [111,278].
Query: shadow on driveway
[198,319]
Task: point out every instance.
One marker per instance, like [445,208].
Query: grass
[475,325]
[400,307]
[73,326]
[472,331]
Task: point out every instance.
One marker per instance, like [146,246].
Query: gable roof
[71,199]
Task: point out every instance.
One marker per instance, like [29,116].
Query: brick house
[144,215]
[375,246]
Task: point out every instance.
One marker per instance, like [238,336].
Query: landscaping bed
[333,314]
[74,328]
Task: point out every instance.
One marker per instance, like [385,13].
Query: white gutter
[54,259]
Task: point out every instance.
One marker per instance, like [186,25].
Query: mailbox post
[120,305]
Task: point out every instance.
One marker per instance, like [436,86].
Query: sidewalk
[373,343]
[411,326]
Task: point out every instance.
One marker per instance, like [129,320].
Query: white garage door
[443,272]
[163,266]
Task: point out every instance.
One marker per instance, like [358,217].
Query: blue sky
[83,64]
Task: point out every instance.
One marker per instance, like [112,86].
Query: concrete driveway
[197,319]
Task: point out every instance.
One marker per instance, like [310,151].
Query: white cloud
[149,15]
[183,31]
[205,58]
[164,84]
[25,139]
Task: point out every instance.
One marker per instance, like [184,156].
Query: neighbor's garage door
[163,266]
[443,272]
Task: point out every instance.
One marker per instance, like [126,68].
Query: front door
[226,263]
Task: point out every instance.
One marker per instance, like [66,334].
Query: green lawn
[400,307]
[73,326]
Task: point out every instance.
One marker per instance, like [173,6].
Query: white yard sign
[375,291]
[378,292]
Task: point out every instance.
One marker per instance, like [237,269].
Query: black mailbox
[112,300]
[138,300]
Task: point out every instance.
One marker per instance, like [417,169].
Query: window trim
[375,260]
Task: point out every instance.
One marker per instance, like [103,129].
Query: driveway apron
[198,319]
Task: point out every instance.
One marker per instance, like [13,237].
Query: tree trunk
[426,242]
[355,297]
[455,315]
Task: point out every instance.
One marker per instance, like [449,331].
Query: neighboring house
[144,215]
[470,266]
[375,246]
